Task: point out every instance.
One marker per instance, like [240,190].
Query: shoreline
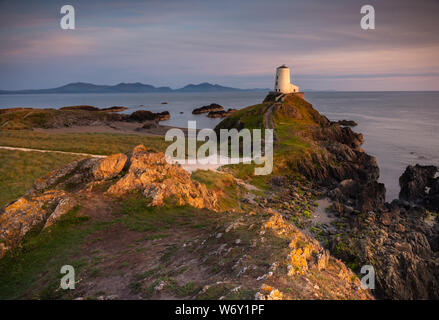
[120,127]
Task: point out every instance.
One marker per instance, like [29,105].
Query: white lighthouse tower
[283,84]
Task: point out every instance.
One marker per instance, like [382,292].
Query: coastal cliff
[400,240]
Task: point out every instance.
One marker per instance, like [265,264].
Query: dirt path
[53,151]
[188,167]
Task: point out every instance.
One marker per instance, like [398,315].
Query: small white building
[283,84]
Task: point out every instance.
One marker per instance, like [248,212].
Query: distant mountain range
[82,87]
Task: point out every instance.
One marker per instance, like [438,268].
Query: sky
[232,43]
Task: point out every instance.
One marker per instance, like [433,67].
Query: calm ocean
[400,128]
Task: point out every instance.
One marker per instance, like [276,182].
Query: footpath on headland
[53,151]
[212,165]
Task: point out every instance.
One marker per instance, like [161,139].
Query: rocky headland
[399,239]
[230,234]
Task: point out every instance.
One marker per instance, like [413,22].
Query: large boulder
[205,109]
[109,167]
[145,115]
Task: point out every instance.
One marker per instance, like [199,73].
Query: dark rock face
[401,247]
[145,115]
[114,109]
[419,186]
[220,114]
[399,240]
[344,168]
[209,108]
[347,123]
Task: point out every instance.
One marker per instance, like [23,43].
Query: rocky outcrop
[305,254]
[419,185]
[305,257]
[109,167]
[145,115]
[399,243]
[18,218]
[209,108]
[52,196]
[82,107]
[394,239]
[151,174]
[347,123]
[400,240]
[114,109]
[221,114]
[91,108]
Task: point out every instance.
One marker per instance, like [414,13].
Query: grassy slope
[291,131]
[251,117]
[33,270]
[46,118]
[93,143]
[18,170]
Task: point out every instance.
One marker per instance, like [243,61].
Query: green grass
[222,183]
[225,290]
[251,117]
[188,289]
[26,119]
[92,143]
[19,169]
[48,118]
[136,215]
[44,253]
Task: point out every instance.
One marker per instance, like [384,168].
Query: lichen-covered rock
[109,167]
[22,215]
[54,176]
[305,253]
[64,205]
[269,293]
[150,173]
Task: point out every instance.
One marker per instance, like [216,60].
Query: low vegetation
[19,169]
[92,143]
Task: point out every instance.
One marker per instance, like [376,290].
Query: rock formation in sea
[209,108]
[220,114]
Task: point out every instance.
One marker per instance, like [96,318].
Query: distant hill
[83,87]
[206,87]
